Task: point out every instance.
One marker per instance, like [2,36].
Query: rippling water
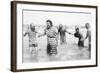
[68,51]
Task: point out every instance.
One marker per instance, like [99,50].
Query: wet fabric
[52,41]
[80,43]
[32,38]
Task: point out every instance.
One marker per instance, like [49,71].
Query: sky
[65,18]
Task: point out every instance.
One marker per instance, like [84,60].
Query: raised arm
[25,33]
[69,32]
[42,34]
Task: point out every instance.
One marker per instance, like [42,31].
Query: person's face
[48,24]
[87,25]
[77,30]
[32,28]
[60,25]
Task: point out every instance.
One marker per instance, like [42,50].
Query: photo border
[14,35]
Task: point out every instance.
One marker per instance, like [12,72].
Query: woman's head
[60,25]
[49,23]
[76,29]
[32,27]
[87,25]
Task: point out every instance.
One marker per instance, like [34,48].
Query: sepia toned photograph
[53,36]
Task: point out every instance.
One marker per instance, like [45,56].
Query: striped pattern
[51,41]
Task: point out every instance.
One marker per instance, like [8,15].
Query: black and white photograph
[55,35]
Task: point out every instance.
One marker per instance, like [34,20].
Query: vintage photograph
[52,36]
[56,35]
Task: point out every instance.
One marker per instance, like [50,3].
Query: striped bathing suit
[52,41]
[32,38]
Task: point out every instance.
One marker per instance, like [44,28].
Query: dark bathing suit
[80,43]
[62,35]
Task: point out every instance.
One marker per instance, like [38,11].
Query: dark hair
[50,22]
[87,23]
[77,28]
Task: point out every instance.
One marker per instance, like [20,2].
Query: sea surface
[67,51]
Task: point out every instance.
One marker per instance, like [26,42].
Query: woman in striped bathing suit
[52,41]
